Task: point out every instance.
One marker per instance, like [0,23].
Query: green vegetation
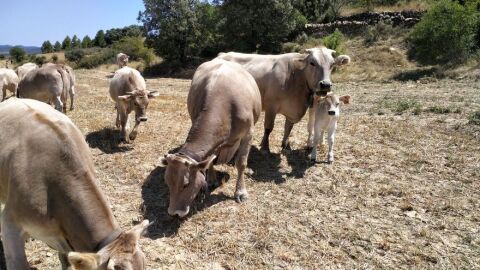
[99,39]
[447,34]
[87,42]
[54,58]
[443,110]
[47,47]
[134,47]
[74,55]
[335,41]
[407,104]
[17,54]
[67,43]
[57,47]
[474,118]
[101,57]
[40,60]
[382,30]
[76,43]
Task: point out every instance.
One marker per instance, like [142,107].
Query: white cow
[24,69]
[323,117]
[122,60]
[8,80]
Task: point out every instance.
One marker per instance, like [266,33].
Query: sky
[31,22]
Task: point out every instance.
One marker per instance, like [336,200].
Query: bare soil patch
[403,192]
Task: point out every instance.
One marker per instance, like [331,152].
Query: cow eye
[338,103]
[312,63]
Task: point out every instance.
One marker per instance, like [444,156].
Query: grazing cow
[122,60]
[287,83]
[49,192]
[323,117]
[224,104]
[129,91]
[8,81]
[24,69]
[72,80]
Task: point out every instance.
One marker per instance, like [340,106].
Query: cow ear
[345,99]
[125,97]
[162,162]
[342,60]
[80,261]
[111,264]
[153,94]
[202,166]
[300,63]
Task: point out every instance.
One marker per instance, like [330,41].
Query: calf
[122,60]
[49,191]
[323,116]
[224,104]
[129,91]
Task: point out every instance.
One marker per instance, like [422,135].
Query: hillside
[5,49]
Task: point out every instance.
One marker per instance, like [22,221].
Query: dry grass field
[404,191]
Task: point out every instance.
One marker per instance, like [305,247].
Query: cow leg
[241,193]
[72,97]
[310,127]
[4,92]
[58,104]
[212,181]
[13,244]
[117,121]
[63,260]
[331,140]
[269,123]
[133,133]
[286,134]
[124,126]
[317,138]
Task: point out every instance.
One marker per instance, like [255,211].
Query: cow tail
[65,90]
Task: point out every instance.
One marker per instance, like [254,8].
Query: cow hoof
[286,146]
[330,161]
[308,149]
[241,197]
[133,135]
[265,150]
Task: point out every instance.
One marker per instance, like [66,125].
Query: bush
[17,54]
[379,31]
[474,118]
[40,60]
[446,34]
[75,55]
[335,41]
[95,60]
[54,58]
[291,47]
[135,49]
[406,104]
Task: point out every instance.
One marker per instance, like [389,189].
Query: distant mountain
[5,49]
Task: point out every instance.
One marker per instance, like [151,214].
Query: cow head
[138,100]
[331,103]
[185,178]
[121,254]
[318,65]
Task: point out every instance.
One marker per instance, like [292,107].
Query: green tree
[86,42]
[115,34]
[135,48]
[47,47]
[99,39]
[67,43]
[172,28]
[313,10]
[17,54]
[446,34]
[252,25]
[57,47]
[76,43]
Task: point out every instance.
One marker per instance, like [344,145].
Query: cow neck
[190,154]
[300,86]
[202,142]
[91,223]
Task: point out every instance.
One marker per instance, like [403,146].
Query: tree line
[102,39]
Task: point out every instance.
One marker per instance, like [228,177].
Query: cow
[72,80]
[129,91]
[24,69]
[122,60]
[49,191]
[323,116]
[287,83]
[49,84]
[224,104]
[8,81]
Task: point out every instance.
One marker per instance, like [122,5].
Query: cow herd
[47,178]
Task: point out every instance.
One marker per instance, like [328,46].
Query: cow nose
[143,119]
[325,85]
[179,213]
[331,112]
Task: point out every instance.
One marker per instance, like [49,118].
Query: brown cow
[71,80]
[224,104]
[129,91]
[287,83]
[49,191]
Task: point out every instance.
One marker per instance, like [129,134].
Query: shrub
[446,34]
[406,104]
[474,118]
[2,56]
[291,47]
[95,60]
[335,41]
[75,55]
[135,49]
[40,60]
[17,54]
[54,58]
[379,31]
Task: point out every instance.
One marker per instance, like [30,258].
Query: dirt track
[403,192]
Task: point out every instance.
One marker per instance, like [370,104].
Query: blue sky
[30,22]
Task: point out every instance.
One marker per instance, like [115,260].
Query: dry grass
[403,192]
[417,5]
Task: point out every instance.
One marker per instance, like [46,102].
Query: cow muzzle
[331,112]
[325,85]
[179,213]
[142,119]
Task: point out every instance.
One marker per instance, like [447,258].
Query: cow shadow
[267,167]
[155,196]
[108,140]
[3,263]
